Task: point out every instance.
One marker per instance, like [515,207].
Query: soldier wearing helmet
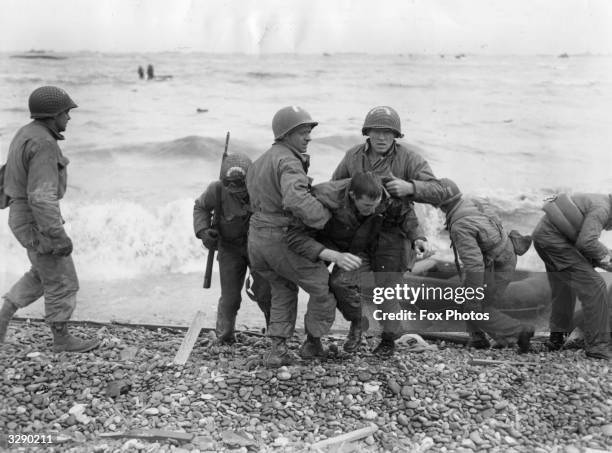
[279,189]
[405,174]
[488,255]
[35,181]
[228,200]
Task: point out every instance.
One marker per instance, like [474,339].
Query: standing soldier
[35,181]
[228,200]
[567,240]
[404,171]
[489,259]
[279,189]
[405,174]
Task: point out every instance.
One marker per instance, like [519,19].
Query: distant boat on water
[39,54]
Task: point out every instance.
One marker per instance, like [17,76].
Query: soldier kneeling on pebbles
[489,257]
[228,200]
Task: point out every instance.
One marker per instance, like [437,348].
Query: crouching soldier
[361,239]
[567,240]
[280,193]
[489,258]
[228,201]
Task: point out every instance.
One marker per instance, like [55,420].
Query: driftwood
[457,338]
[490,362]
[190,338]
[347,437]
[151,434]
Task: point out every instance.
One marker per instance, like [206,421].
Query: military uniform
[489,259]
[279,191]
[233,226]
[569,267]
[363,236]
[35,181]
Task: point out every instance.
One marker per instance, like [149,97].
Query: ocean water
[508,129]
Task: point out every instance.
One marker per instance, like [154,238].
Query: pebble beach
[223,399]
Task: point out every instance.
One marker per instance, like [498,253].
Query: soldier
[35,181]
[489,259]
[228,200]
[567,240]
[361,212]
[406,175]
[279,189]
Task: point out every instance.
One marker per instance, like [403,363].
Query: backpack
[4,198]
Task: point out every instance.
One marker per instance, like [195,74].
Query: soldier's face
[61,120]
[381,139]
[366,205]
[299,138]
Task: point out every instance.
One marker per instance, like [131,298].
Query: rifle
[213,224]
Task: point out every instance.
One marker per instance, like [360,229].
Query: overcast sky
[309,26]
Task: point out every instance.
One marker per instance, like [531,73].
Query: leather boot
[556,340]
[478,340]
[353,339]
[386,347]
[6,314]
[312,348]
[600,351]
[225,330]
[524,337]
[63,341]
[279,354]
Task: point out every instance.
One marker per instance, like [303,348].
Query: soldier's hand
[399,188]
[347,261]
[606,263]
[421,246]
[210,238]
[64,248]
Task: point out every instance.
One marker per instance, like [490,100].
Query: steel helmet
[382,117]
[288,118]
[451,191]
[235,165]
[49,101]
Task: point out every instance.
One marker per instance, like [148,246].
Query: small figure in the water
[150,73]
[140,73]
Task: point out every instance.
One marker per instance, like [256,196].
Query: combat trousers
[570,276]
[285,271]
[233,264]
[498,275]
[53,277]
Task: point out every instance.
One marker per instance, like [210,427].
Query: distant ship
[39,54]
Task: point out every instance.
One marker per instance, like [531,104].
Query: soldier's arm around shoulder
[43,187]
[427,188]
[296,196]
[203,208]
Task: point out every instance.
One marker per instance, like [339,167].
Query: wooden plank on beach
[151,434]
[490,362]
[190,338]
[347,437]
